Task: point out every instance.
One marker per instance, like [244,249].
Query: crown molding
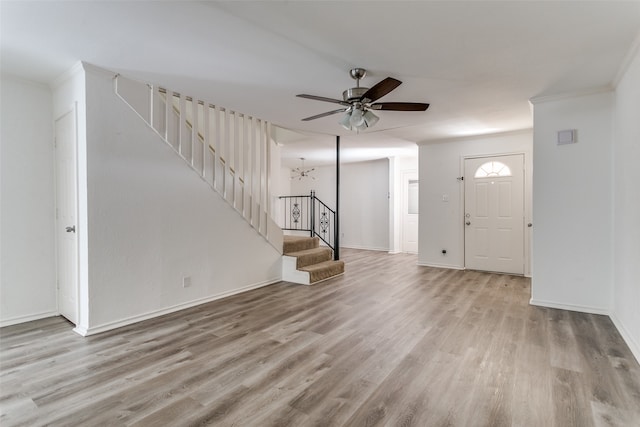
[475,137]
[98,70]
[569,95]
[62,78]
[626,62]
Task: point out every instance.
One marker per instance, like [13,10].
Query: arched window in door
[492,169]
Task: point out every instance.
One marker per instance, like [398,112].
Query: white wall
[626,177]
[364,201]
[153,221]
[572,213]
[441,223]
[28,268]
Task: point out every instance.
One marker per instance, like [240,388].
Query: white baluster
[182,120]
[206,135]
[194,131]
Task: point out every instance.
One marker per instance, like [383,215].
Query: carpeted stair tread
[324,270]
[311,256]
[299,243]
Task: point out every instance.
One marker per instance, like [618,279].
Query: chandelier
[301,172]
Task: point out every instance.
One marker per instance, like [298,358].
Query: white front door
[410,212]
[494,213]
[66,224]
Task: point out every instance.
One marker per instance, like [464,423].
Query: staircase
[229,150]
[306,262]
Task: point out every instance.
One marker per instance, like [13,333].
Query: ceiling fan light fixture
[356,119]
[346,121]
[370,119]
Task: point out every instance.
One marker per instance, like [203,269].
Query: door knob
[468,222]
[71,229]
[530,225]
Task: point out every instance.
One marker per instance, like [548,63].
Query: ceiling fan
[358,102]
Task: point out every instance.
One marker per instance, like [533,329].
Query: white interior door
[494,213]
[66,208]
[410,212]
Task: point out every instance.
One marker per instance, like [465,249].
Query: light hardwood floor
[388,343]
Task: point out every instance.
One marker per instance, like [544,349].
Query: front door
[66,224]
[494,213]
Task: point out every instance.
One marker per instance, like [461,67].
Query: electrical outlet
[186,281]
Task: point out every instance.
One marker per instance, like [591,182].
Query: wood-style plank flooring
[388,343]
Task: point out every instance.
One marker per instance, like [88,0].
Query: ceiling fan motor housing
[354,93]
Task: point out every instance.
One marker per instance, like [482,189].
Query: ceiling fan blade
[381,89]
[322,98]
[400,106]
[317,116]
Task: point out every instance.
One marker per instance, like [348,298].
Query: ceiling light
[301,172]
[356,119]
[370,119]
[346,121]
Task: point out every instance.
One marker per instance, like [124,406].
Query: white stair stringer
[290,272]
[228,150]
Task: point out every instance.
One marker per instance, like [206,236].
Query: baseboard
[450,267]
[570,307]
[633,345]
[150,315]
[626,336]
[364,248]
[28,318]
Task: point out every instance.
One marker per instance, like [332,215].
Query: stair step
[299,243]
[324,270]
[311,256]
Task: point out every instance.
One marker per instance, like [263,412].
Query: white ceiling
[476,62]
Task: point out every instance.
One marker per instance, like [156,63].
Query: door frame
[528,201]
[72,109]
[404,201]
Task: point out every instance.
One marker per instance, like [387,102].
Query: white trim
[449,267]
[290,272]
[633,345]
[28,318]
[626,62]
[99,70]
[475,137]
[569,95]
[152,314]
[364,248]
[62,78]
[570,307]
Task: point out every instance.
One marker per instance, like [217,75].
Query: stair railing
[309,214]
[229,150]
